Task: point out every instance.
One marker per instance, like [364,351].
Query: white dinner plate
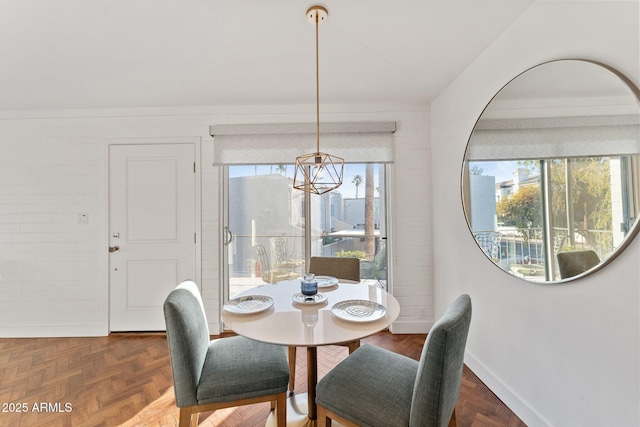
[249,304]
[326,281]
[300,298]
[356,310]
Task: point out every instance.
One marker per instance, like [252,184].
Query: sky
[347,189]
[502,170]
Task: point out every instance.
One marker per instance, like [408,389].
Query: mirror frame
[465,184]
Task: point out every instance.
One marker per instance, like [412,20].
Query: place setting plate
[249,304]
[359,310]
[326,281]
[300,298]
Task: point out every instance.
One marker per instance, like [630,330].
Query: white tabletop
[294,324]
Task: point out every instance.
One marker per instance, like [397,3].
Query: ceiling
[76,54]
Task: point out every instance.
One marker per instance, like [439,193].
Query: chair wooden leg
[353,346]
[292,368]
[453,421]
[281,410]
[322,420]
[330,417]
[187,417]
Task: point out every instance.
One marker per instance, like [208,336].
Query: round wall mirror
[551,174]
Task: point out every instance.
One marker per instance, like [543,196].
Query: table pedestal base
[296,413]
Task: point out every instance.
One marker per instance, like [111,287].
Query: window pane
[506,212]
[589,212]
[350,221]
[266,220]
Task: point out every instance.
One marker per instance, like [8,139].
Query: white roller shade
[364,142]
[519,139]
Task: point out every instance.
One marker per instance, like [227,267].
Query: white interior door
[152,230]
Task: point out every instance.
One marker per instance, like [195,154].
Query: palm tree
[281,169]
[369,214]
[357,180]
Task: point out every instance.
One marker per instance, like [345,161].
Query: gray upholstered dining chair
[573,263]
[357,392]
[342,268]
[210,375]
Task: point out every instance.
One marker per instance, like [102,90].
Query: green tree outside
[357,181]
[522,209]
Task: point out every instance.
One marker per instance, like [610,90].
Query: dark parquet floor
[125,380]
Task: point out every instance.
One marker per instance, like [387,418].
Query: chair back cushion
[188,338]
[437,385]
[339,267]
[576,262]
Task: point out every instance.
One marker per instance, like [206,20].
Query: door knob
[114,248]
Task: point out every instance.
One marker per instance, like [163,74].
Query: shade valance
[518,139]
[281,143]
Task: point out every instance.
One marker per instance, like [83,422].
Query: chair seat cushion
[240,368]
[372,387]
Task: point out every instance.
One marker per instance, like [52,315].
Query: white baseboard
[58,331]
[509,397]
[54,331]
[215,328]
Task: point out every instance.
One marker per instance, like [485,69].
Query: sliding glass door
[263,213]
[265,222]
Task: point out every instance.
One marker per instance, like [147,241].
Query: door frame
[197,144]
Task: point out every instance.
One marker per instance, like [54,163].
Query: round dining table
[340,313]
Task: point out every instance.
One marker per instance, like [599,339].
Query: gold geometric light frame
[318,172]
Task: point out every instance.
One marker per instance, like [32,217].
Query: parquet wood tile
[125,380]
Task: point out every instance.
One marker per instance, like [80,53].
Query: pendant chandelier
[318,172]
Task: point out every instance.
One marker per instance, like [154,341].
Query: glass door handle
[228,236]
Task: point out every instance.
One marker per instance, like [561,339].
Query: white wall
[558,355]
[54,165]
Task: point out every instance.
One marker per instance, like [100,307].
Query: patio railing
[509,247]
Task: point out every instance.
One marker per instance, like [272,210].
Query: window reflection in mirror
[593,210]
[550,179]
